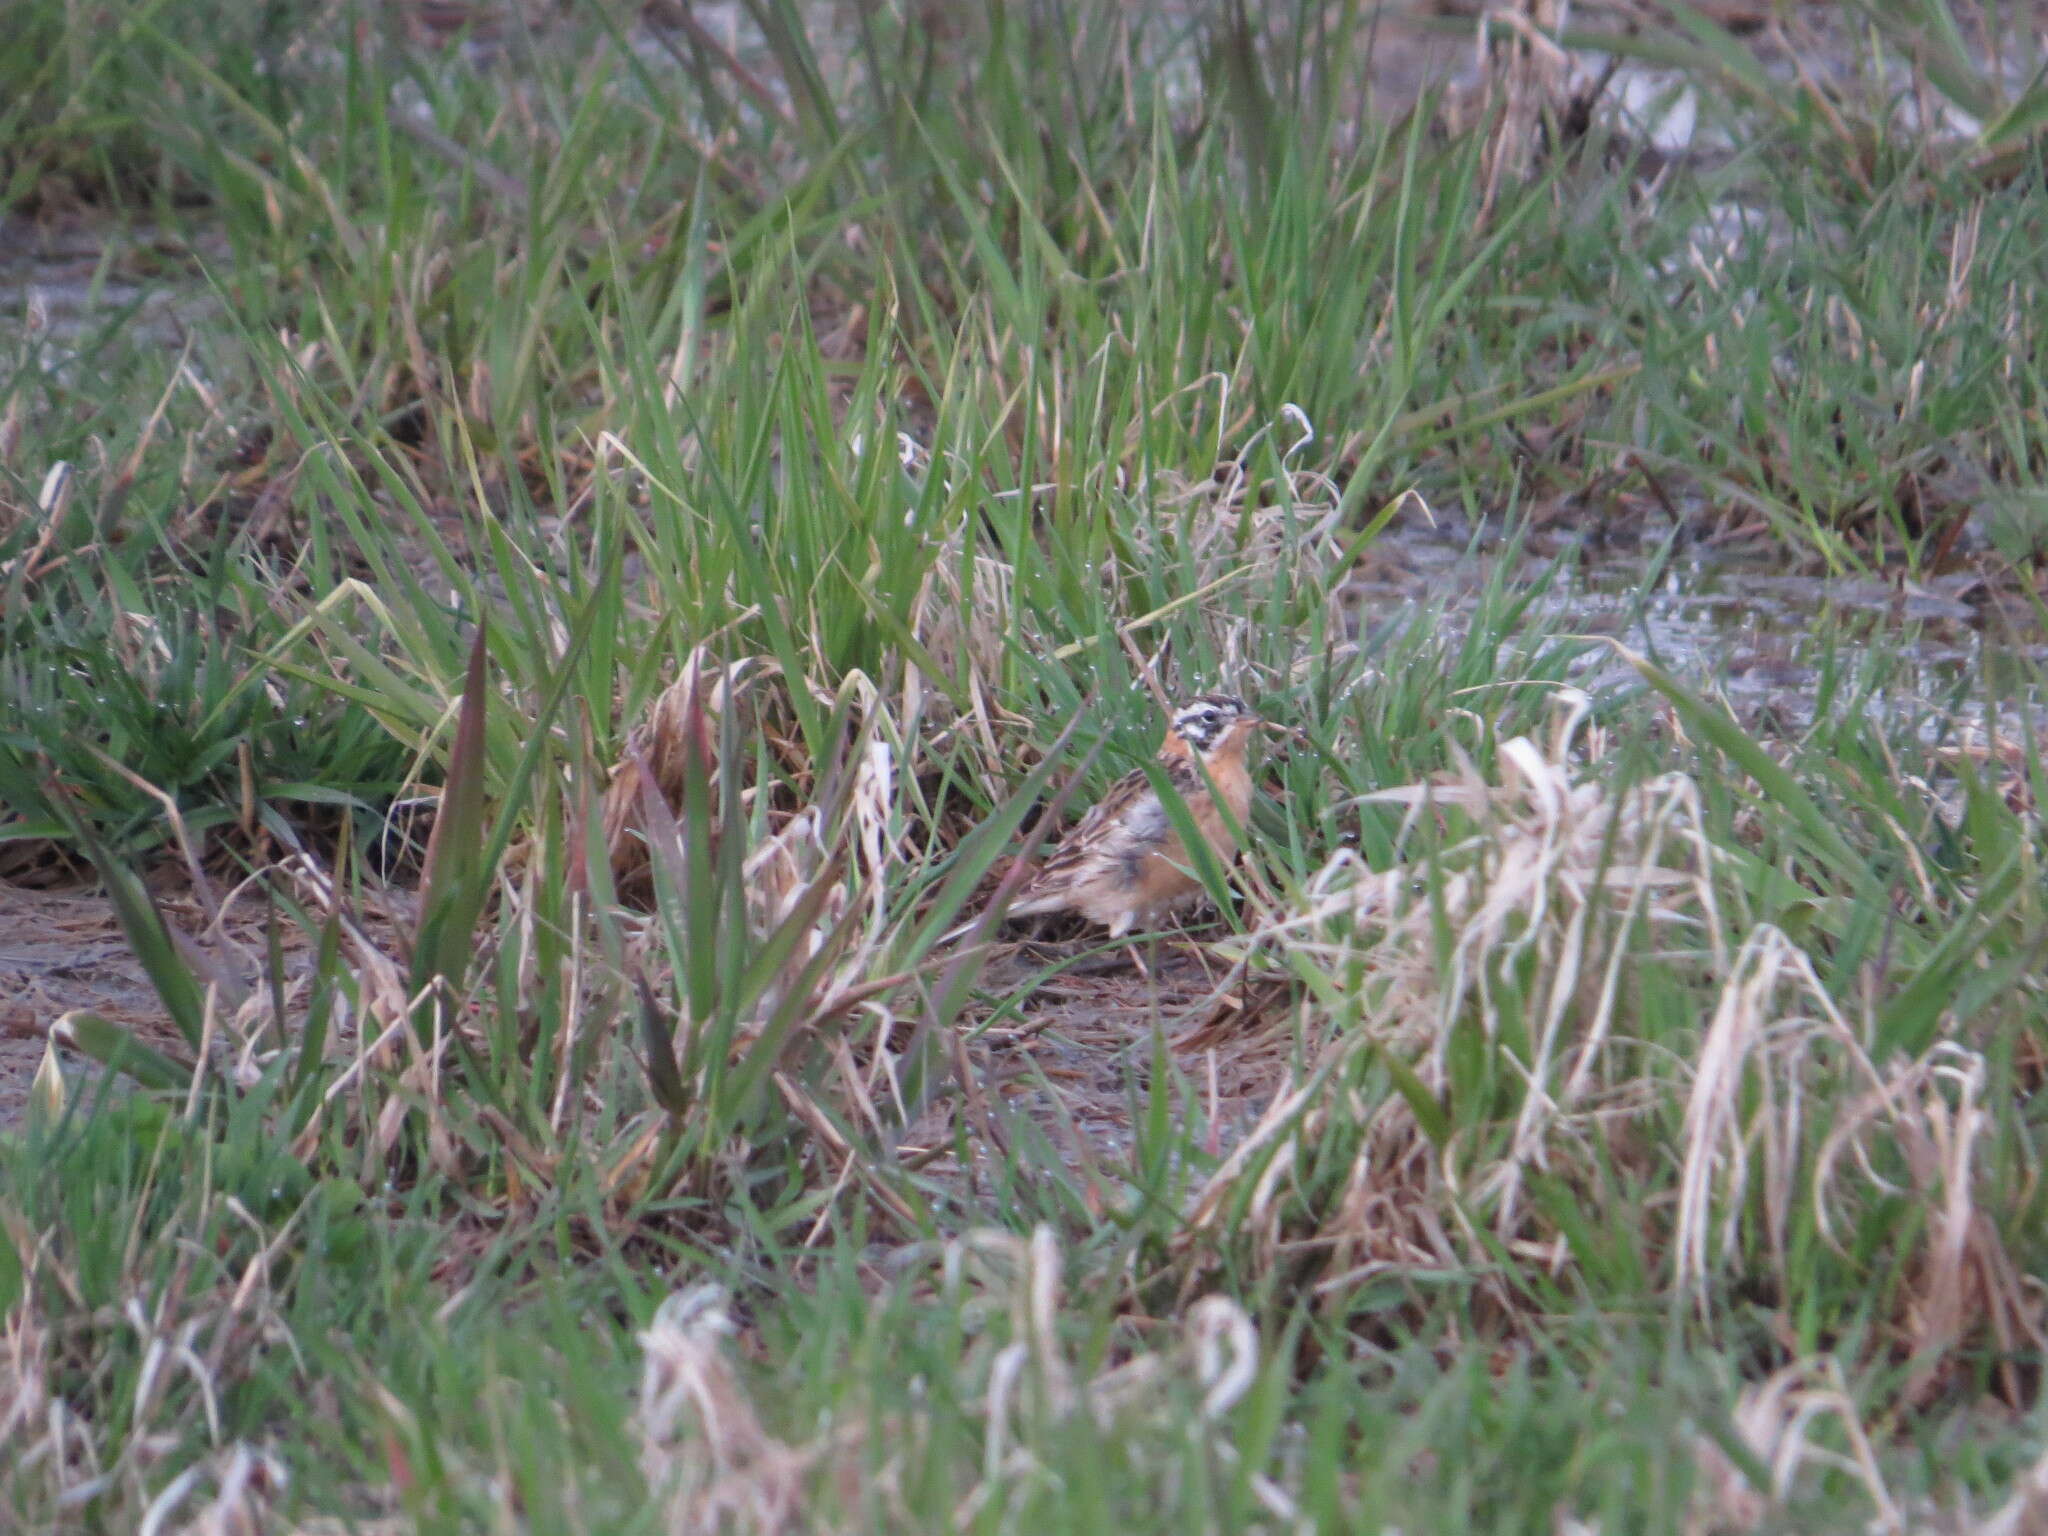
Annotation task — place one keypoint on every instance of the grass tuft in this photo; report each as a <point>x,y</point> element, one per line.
<point>559,566</point>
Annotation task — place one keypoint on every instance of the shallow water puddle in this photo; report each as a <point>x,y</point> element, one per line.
<point>1744,628</point>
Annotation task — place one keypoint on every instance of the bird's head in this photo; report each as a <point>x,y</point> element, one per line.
<point>1214,721</point>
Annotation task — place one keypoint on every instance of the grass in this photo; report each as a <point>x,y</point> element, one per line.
<point>747,493</point>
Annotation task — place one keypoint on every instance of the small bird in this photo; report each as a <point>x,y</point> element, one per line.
<point>1124,863</point>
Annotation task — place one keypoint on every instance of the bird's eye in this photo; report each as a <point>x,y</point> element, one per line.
<point>1211,715</point>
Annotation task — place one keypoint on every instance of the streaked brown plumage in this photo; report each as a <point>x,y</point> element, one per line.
<point>1125,864</point>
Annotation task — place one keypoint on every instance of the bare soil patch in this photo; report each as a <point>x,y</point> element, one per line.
<point>1075,1049</point>
<point>62,950</point>
<point>59,951</point>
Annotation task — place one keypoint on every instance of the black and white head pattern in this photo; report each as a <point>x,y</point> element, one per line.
<point>1203,720</point>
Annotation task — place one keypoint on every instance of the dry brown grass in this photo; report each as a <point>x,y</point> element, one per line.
<point>1557,880</point>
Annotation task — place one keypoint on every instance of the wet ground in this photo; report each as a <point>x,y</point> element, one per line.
<point>1729,618</point>
<point>1744,624</point>
<point>1738,625</point>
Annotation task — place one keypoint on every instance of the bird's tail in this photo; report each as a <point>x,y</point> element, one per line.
<point>1023,906</point>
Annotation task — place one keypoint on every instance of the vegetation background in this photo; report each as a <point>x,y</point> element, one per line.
<point>549,553</point>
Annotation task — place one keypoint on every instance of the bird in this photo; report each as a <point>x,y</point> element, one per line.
<point>1124,863</point>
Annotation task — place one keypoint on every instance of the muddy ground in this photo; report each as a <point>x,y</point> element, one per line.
<point>62,949</point>
<point>1088,1030</point>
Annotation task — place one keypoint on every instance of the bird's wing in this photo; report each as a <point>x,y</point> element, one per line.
<point>1089,838</point>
